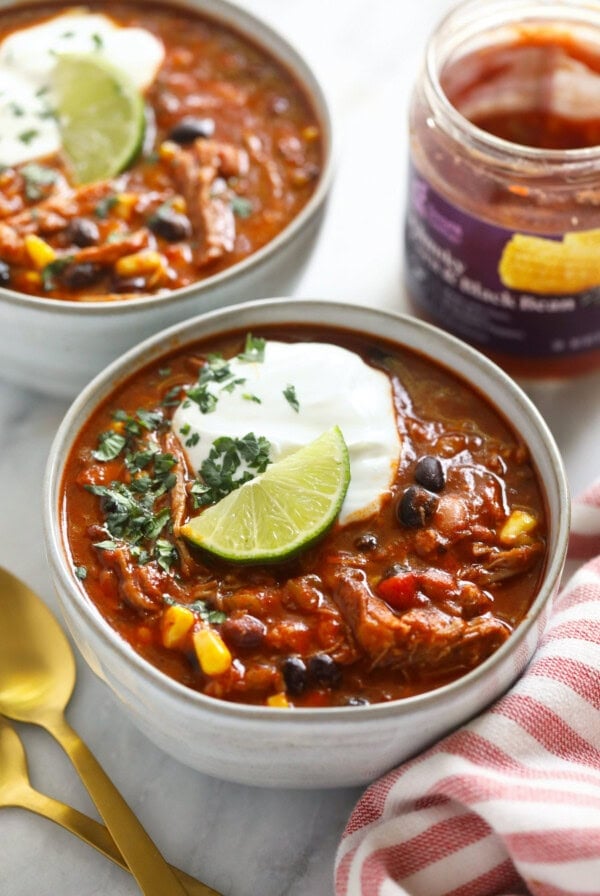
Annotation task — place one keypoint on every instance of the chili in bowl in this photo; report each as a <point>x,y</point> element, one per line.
<point>422,599</point>
<point>157,160</point>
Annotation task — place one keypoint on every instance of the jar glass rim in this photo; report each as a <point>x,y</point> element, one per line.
<point>468,20</point>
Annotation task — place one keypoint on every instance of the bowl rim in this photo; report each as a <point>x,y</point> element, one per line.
<point>220,320</point>
<point>254,28</point>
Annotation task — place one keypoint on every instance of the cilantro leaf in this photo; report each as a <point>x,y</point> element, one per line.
<point>289,393</point>
<point>230,463</point>
<point>254,350</point>
<point>110,445</point>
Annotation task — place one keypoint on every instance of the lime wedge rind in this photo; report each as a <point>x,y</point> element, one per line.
<point>282,511</point>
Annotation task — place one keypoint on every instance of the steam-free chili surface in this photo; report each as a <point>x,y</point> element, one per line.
<point>199,204</point>
<point>382,609</point>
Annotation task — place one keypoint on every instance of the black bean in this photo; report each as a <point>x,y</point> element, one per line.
<point>295,675</point>
<point>4,273</point>
<point>245,632</point>
<point>416,506</point>
<point>429,473</point>
<point>82,232</point>
<point>324,670</point>
<point>357,701</point>
<point>189,129</point>
<point>78,276</point>
<point>366,542</point>
<point>170,225</point>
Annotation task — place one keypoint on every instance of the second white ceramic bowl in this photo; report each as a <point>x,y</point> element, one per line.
<point>56,347</point>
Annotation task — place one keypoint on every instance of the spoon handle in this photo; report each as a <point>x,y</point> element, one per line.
<point>96,835</point>
<point>153,874</point>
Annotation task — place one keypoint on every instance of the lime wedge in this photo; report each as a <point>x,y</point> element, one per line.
<point>100,116</point>
<point>282,510</point>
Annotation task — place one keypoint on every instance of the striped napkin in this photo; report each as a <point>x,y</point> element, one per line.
<point>508,805</point>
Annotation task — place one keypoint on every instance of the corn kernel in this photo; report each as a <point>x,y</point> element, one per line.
<point>278,700</point>
<point>124,205</point>
<point>40,252</point>
<point>167,150</point>
<point>145,262</point>
<point>176,623</point>
<point>32,278</point>
<point>517,527</point>
<point>212,652</point>
<point>178,204</point>
<point>311,133</point>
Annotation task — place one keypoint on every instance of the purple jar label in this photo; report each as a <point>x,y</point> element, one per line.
<point>518,293</point>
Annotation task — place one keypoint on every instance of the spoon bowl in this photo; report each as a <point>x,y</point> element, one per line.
<point>37,668</point>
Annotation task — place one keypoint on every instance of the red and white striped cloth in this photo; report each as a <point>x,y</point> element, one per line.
<point>509,804</point>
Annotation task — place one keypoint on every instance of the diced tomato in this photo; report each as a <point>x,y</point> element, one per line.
<point>400,591</point>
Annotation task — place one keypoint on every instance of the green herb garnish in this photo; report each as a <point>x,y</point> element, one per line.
<point>289,393</point>
<point>254,350</point>
<point>54,269</point>
<point>29,136</point>
<point>110,445</point>
<point>241,207</point>
<point>104,206</point>
<point>230,463</point>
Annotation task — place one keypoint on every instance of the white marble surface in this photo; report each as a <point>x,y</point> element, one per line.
<point>241,840</point>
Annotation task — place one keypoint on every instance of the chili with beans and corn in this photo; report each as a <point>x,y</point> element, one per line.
<point>232,152</point>
<point>386,607</point>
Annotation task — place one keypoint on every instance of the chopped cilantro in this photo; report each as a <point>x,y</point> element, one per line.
<point>104,206</point>
<point>164,371</point>
<point>165,554</point>
<point>53,269</point>
<point>230,463</point>
<point>241,207</point>
<point>37,176</point>
<point>200,395</point>
<point>108,545</point>
<point>201,607</point>
<point>247,396</point>
<point>29,136</point>
<point>290,396</point>
<point>17,111</point>
<point>172,397</point>
<point>81,573</point>
<point>110,445</point>
<point>193,440</point>
<point>185,429</point>
<point>97,41</point>
<point>254,350</point>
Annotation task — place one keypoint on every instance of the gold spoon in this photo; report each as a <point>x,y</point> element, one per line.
<point>16,790</point>
<point>37,677</point>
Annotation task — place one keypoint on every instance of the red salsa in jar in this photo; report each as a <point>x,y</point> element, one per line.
<point>502,232</point>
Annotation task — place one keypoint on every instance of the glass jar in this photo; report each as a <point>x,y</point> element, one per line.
<point>502,237</point>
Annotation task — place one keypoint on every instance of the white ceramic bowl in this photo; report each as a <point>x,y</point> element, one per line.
<point>57,346</point>
<point>303,747</point>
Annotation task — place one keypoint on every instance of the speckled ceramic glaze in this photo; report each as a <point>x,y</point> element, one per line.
<point>303,747</point>
<point>56,346</point>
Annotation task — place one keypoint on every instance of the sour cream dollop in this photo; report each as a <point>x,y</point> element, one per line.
<point>28,128</point>
<point>332,386</point>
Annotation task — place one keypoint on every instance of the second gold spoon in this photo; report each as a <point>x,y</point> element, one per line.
<point>16,790</point>
<point>37,677</point>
